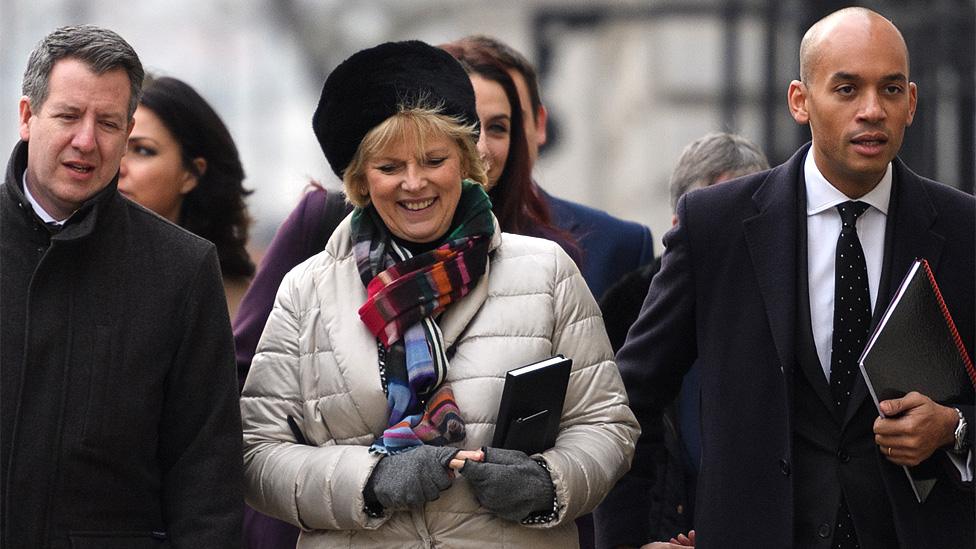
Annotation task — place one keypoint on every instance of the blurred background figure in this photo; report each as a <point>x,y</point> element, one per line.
<point>670,485</point>
<point>609,247</point>
<point>516,200</point>
<point>182,163</point>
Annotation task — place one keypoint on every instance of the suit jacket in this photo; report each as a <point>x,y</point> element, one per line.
<point>726,299</point>
<point>611,247</point>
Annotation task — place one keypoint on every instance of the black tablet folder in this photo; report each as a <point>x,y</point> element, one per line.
<point>916,347</point>
<point>531,405</point>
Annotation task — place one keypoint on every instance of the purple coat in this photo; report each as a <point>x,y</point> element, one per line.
<point>301,236</point>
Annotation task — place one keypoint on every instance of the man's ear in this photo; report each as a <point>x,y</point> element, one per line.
<point>541,117</point>
<point>25,115</point>
<point>797,100</point>
<point>912,102</point>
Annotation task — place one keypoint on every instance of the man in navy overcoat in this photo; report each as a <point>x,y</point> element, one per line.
<point>746,292</point>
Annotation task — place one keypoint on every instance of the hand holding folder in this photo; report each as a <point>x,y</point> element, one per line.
<point>916,347</point>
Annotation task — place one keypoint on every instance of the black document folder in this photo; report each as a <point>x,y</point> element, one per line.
<point>532,405</point>
<point>916,347</point>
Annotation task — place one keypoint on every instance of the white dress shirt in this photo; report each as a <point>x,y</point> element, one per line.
<point>38,209</point>
<point>823,229</point>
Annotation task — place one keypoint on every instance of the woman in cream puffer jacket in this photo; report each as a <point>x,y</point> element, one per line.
<point>317,364</point>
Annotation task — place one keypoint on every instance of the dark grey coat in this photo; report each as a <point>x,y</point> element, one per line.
<point>118,398</point>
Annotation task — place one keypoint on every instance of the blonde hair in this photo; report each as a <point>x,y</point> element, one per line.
<point>420,123</point>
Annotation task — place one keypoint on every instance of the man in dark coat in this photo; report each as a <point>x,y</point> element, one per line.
<point>746,293</point>
<point>119,421</point>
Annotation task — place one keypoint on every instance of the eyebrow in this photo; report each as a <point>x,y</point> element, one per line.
<point>893,77</point>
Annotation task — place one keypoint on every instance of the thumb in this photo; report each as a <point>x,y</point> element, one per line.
<point>890,407</point>
<point>896,406</point>
<point>901,405</point>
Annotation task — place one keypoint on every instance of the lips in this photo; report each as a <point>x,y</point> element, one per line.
<point>870,144</point>
<point>83,168</point>
<point>417,205</point>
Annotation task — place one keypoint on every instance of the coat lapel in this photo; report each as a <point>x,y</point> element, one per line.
<point>909,235</point>
<point>457,316</point>
<point>771,237</point>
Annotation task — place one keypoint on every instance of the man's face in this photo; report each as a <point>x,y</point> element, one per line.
<point>858,102</point>
<point>76,137</point>
<point>534,122</point>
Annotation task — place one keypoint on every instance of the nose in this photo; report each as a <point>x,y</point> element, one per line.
<point>414,178</point>
<point>872,110</point>
<point>123,168</point>
<point>84,137</point>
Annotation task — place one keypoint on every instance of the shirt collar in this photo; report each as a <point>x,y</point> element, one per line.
<point>822,196</point>
<point>36,206</point>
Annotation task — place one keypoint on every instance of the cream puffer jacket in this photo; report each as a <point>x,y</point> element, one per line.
<point>317,363</point>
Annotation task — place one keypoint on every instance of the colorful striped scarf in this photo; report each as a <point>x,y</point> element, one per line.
<point>404,295</point>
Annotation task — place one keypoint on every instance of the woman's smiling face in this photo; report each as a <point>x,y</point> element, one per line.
<point>416,190</point>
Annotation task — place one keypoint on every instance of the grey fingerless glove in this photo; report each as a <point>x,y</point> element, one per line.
<point>510,484</point>
<point>409,478</point>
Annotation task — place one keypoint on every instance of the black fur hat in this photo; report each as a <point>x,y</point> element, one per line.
<point>368,88</point>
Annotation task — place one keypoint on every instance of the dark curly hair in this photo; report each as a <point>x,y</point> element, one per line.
<point>215,208</point>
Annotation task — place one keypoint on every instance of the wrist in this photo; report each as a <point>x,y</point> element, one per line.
<point>959,441</point>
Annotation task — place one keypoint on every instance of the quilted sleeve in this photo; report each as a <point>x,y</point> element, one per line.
<point>313,487</point>
<point>598,431</point>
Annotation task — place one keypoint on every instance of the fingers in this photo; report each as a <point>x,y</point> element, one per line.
<point>901,454</point>
<point>502,456</point>
<point>461,457</point>
<point>920,428</point>
<point>896,406</point>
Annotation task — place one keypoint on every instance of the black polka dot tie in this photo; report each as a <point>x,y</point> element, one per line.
<point>852,317</point>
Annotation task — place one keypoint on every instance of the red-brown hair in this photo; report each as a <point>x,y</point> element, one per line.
<point>516,200</point>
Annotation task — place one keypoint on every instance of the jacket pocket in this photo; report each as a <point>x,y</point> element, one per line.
<point>119,540</point>
<point>101,360</point>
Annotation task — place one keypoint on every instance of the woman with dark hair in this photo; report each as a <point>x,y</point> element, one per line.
<point>183,164</point>
<point>503,146</point>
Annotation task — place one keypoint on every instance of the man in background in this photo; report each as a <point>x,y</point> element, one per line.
<point>658,503</point>
<point>119,420</point>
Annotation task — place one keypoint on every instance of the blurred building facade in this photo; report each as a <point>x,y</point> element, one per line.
<point>628,83</point>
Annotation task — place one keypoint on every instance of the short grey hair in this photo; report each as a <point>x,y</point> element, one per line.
<point>101,49</point>
<point>714,156</point>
